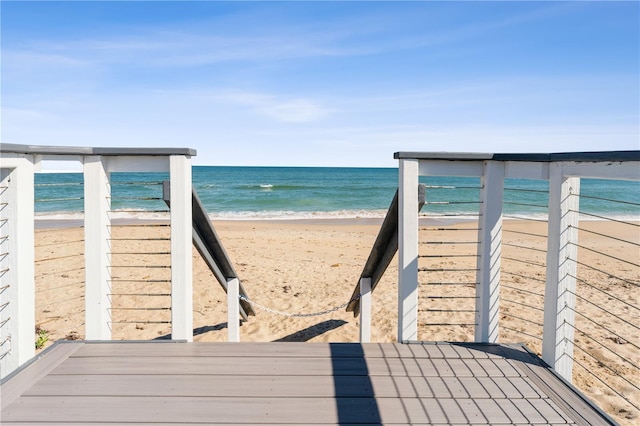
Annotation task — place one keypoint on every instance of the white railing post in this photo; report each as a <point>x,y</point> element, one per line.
<point>365,310</point>
<point>489,250</point>
<point>17,297</point>
<point>97,248</point>
<point>181,252</point>
<point>560,300</point>
<point>408,250</point>
<point>233,310</point>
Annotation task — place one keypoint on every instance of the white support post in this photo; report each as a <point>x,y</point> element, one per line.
<point>365,310</point>
<point>97,248</point>
<point>233,310</point>
<point>17,318</point>
<point>489,251</point>
<point>408,251</point>
<point>181,252</point>
<point>560,300</point>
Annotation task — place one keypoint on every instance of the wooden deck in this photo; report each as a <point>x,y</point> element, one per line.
<point>289,383</point>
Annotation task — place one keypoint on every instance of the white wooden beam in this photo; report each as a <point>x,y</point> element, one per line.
<point>450,168</point>
<point>560,288</point>
<point>408,251</point>
<point>181,251</point>
<point>604,170</point>
<point>233,310</point>
<point>365,310</point>
<point>150,164</point>
<point>489,252</point>
<point>97,249</point>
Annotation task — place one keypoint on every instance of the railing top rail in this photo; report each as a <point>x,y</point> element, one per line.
<point>594,156</point>
<point>76,150</point>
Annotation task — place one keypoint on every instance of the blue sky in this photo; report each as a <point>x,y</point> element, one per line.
<point>322,83</point>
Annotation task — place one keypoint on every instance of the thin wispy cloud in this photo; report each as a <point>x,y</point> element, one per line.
<point>370,77</point>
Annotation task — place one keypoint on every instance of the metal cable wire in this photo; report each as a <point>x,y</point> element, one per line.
<point>451,202</point>
<point>512,203</point>
<point>524,320</point>
<point>521,332</point>
<point>444,283</point>
<point>448,297</point>
<point>588,370</point>
<point>449,229</point>
<point>447,242</point>
<point>51,200</point>
<point>441,256</point>
<point>607,273</point>
<point>143,183</point>
<point>75,284</point>
<point>130,308</point>
<point>604,292</point>
<point>59,243</point>
<point>447,269</point>
<point>140,294</point>
<point>592,197</point>
<point>609,331</point>
<point>529,219</point>
<point>522,304</point>
<point>526,262</point>
<point>606,236</point>
<point>524,276</point>
<point>60,184</point>
<point>151,253</point>
<point>55,302</point>
<point>523,247</point>
<point>606,366</point>
<point>606,255</point>
<point>607,218</point>
<point>521,290</point>
<point>512,231</point>
<point>44,274</point>
<point>538,191</point>
<point>442,324</point>
<point>605,310</point>
<point>451,187</point>
<point>58,258</point>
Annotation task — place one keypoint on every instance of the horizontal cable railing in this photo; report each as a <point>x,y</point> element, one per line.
<point>140,241</point>
<point>607,313</point>
<point>448,263</point>
<point>5,279</point>
<point>59,259</point>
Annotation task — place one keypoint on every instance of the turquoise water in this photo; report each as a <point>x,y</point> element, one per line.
<point>304,192</point>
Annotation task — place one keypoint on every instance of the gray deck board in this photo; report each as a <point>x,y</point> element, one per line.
<point>289,383</point>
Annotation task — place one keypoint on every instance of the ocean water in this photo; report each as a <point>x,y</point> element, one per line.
<point>312,192</point>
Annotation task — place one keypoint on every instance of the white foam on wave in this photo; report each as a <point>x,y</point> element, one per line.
<point>296,215</point>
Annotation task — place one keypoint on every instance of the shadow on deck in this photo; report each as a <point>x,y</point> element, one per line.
<point>295,383</point>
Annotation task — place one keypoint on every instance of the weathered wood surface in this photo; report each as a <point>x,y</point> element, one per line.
<point>289,383</point>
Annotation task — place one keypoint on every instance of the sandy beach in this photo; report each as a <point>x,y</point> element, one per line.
<point>302,267</point>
